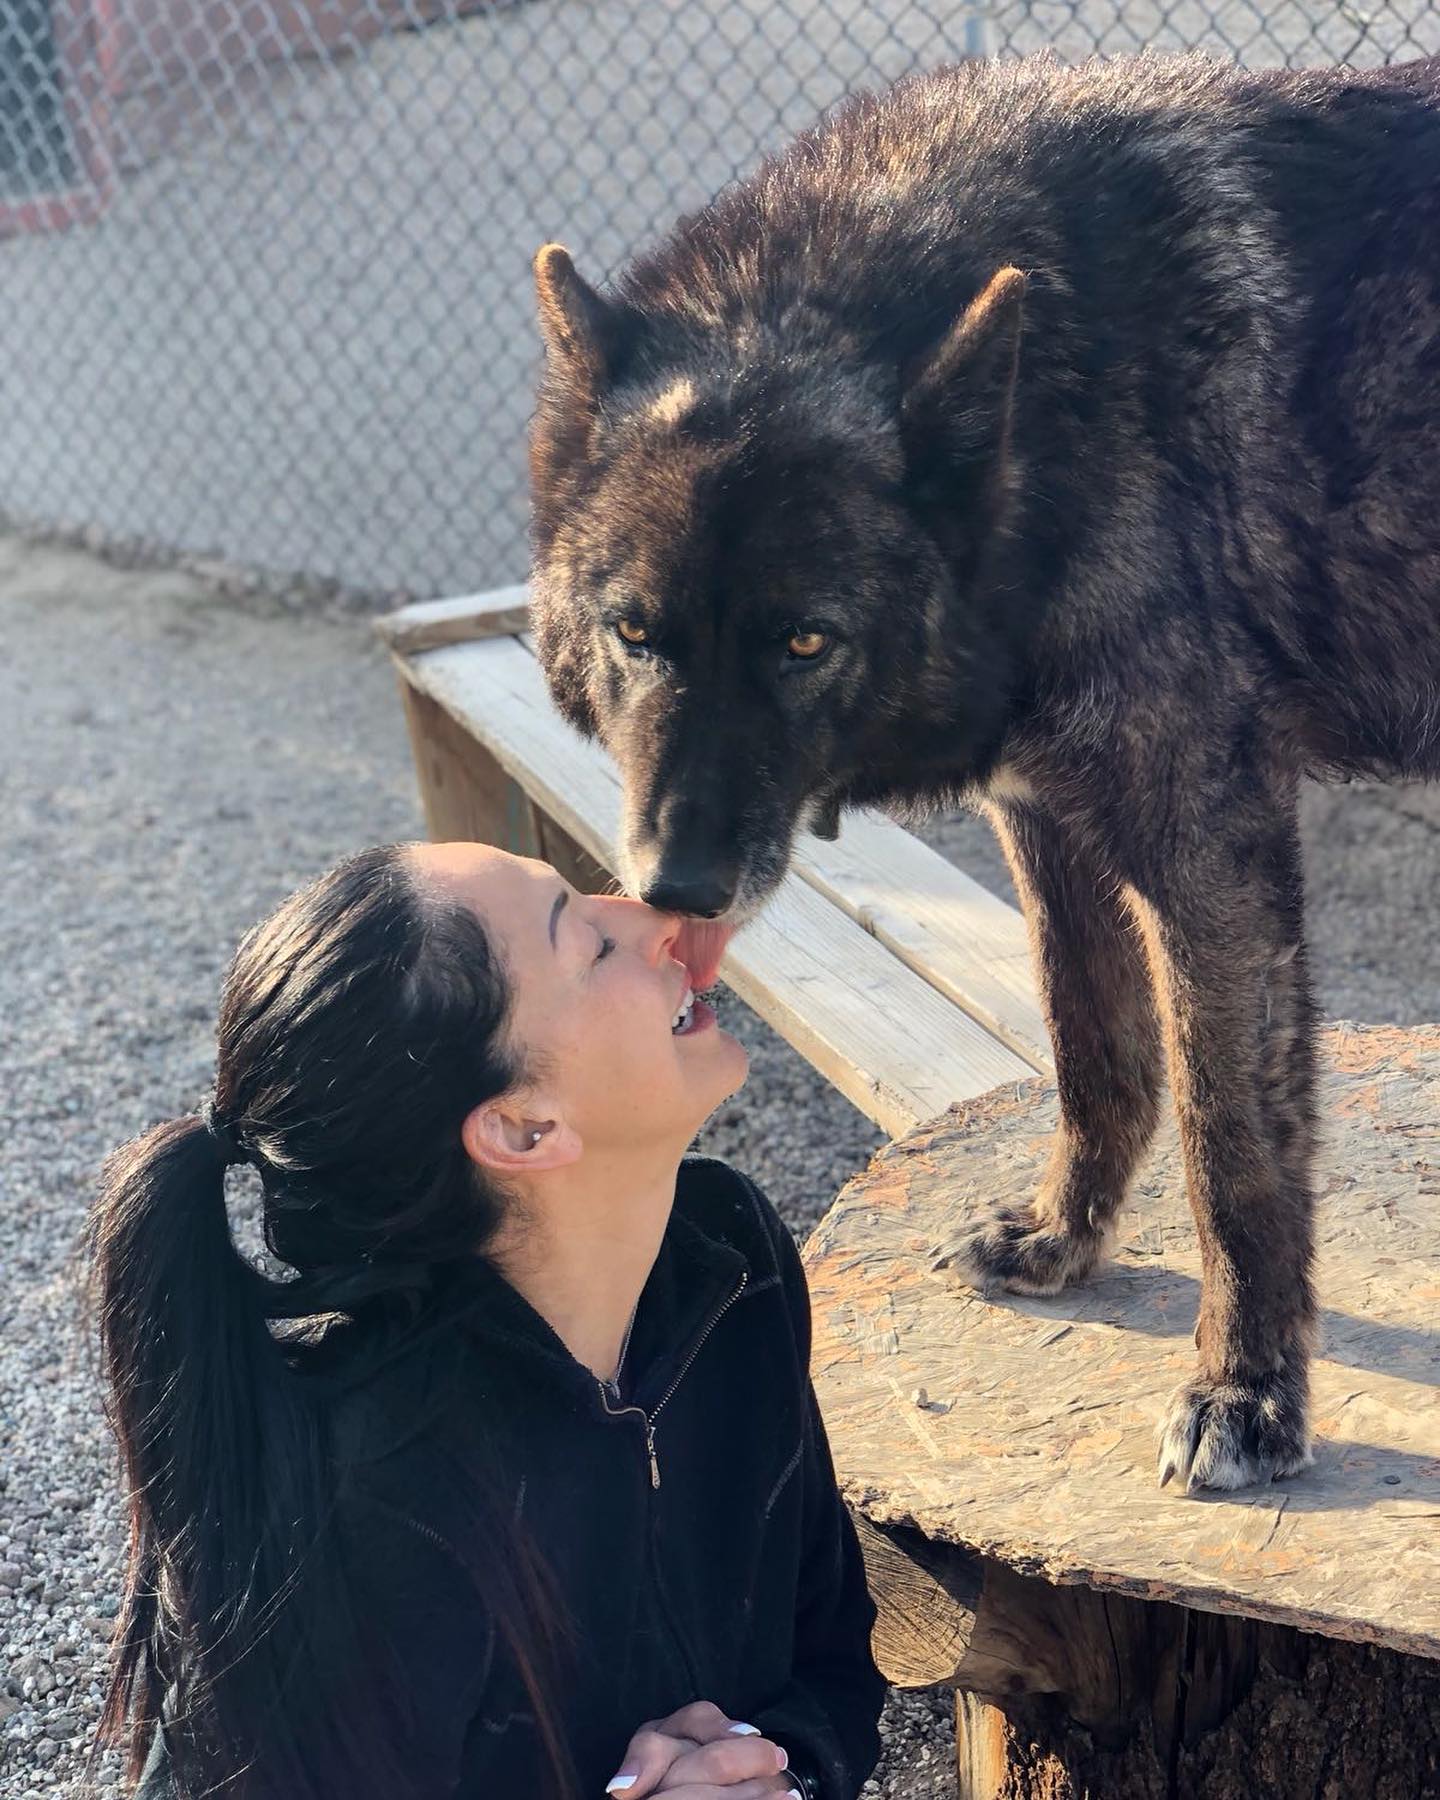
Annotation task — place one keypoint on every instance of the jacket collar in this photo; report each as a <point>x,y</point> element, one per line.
<point>694,1276</point>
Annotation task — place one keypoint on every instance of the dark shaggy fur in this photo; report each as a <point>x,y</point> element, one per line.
<point>1088,422</point>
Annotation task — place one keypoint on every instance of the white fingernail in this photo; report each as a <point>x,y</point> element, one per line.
<point>744,1730</point>
<point>793,1794</point>
<point>619,1784</point>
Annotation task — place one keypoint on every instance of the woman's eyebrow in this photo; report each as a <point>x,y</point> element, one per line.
<point>555,912</point>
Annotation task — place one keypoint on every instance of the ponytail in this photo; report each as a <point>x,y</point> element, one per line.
<point>203,1408</point>
<point>359,1026</point>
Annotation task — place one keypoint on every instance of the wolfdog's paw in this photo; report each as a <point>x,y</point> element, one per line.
<point>1014,1250</point>
<point>1232,1434</point>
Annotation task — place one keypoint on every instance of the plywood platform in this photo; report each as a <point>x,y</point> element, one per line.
<point>1023,1429</point>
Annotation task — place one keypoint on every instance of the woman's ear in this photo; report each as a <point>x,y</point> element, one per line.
<point>510,1138</point>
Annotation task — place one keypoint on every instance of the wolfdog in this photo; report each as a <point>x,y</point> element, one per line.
<point>1067,441</point>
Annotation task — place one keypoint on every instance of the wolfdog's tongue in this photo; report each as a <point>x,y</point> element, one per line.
<point>700,946</point>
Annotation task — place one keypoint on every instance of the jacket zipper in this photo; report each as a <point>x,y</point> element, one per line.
<point>687,1662</point>
<point>433,1535</point>
<point>664,1400</point>
<point>619,1412</point>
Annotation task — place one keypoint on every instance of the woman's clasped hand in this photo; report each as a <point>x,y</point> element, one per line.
<point>700,1754</point>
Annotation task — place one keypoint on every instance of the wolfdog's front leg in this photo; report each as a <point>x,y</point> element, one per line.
<point>1105,1034</point>
<point>1223,924</point>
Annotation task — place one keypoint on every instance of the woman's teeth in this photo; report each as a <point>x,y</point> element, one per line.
<point>687,1006</point>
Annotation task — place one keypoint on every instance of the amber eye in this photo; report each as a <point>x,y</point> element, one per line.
<point>632,633</point>
<point>807,644</point>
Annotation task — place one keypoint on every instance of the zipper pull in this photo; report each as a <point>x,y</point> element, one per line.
<point>654,1460</point>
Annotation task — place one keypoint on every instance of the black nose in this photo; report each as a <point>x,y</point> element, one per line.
<point>697,896</point>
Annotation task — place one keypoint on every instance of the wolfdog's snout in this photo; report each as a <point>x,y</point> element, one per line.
<point>682,857</point>
<point>699,888</point>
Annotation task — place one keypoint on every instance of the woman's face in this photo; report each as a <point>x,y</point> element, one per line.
<point>598,986</point>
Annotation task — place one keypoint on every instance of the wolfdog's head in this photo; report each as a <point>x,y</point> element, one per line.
<point>757,551</point>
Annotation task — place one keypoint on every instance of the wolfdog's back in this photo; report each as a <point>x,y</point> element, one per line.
<point>1234,292</point>
<point>1232,335</point>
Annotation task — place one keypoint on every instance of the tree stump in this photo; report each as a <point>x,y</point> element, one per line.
<point>1109,1640</point>
<point>1068,1693</point>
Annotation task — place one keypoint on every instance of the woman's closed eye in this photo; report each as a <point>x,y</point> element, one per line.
<point>607,944</point>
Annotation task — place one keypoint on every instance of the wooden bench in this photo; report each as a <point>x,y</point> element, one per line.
<point>1103,1638</point>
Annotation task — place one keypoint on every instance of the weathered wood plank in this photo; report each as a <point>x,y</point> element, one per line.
<point>964,940</point>
<point>879,1033</point>
<point>497,694</point>
<point>578,867</point>
<point>464,791</point>
<point>1033,1440</point>
<point>429,624</point>
<point>895,1046</point>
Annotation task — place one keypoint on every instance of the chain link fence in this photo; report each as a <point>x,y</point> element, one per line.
<point>264,264</point>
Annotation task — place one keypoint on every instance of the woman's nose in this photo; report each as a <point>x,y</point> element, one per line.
<point>654,933</point>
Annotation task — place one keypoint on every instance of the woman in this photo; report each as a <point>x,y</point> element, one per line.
<point>517,1485</point>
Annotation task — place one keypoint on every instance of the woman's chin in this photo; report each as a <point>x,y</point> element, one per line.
<point>718,1062</point>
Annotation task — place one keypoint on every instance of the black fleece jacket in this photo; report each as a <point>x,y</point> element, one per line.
<point>692,1524</point>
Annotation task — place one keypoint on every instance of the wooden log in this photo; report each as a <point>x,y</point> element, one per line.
<point>943,1616</point>
<point>1070,1693</point>
<point>1249,1712</point>
<point>927,1602</point>
<point>981,1755</point>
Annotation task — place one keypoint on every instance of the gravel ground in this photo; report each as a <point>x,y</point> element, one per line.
<point>171,764</point>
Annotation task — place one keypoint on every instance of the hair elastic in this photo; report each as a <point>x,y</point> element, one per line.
<point>221,1134</point>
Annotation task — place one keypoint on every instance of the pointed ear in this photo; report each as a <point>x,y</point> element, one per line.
<point>956,399</point>
<point>504,1138</point>
<point>584,334</point>
<point>581,329</point>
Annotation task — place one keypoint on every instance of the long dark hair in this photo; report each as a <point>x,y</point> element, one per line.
<point>359,1024</point>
